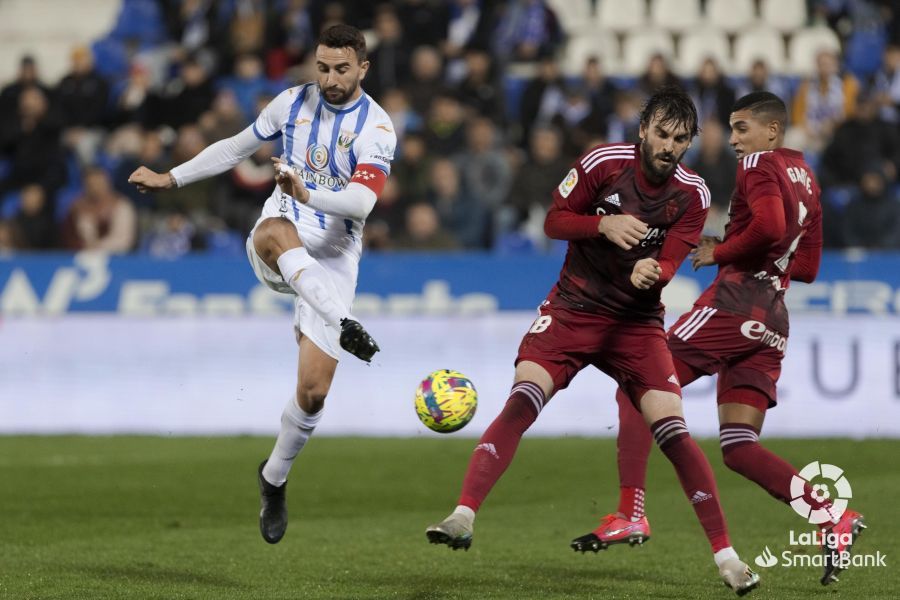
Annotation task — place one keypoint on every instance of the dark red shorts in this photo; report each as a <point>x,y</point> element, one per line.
<point>564,341</point>
<point>744,352</point>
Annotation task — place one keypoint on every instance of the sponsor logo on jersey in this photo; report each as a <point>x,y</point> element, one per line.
<point>614,199</point>
<point>301,121</point>
<point>345,140</point>
<point>671,210</point>
<point>569,183</point>
<point>321,179</point>
<point>385,128</point>
<point>317,156</point>
<point>755,330</point>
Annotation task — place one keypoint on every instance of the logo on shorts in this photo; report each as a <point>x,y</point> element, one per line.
<point>755,330</point>
<point>673,379</point>
<point>569,183</point>
<point>832,492</point>
<point>317,157</point>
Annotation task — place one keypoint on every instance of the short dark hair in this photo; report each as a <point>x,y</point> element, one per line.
<point>765,105</point>
<point>674,106</point>
<point>344,36</point>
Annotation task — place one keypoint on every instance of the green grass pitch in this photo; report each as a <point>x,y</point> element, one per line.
<point>148,517</point>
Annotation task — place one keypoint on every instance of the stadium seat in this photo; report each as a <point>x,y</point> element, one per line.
<point>730,15</point>
<point>575,16</point>
<point>621,16</point>
<point>640,46</point>
<point>784,15</point>
<point>10,204</point>
<point>806,44</point>
<point>676,16</point>
<point>602,44</point>
<point>759,43</point>
<point>698,45</point>
<point>514,243</point>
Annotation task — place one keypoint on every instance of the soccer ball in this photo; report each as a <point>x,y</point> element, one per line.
<point>446,401</point>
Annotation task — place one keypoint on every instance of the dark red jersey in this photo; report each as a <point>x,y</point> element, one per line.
<point>752,283</point>
<point>608,180</point>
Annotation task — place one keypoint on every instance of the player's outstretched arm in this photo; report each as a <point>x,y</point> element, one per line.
<point>149,180</point>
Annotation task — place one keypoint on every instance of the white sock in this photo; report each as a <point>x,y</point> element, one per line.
<point>296,427</point>
<point>312,283</point>
<point>466,513</point>
<point>724,554</point>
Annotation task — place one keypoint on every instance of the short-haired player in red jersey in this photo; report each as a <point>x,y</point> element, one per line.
<point>631,214</point>
<point>738,327</point>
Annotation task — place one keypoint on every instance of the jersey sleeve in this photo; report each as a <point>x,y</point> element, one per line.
<point>690,226</point>
<point>567,218</point>
<point>274,116</point>
<point>376,145</point>
<point>757,176</point>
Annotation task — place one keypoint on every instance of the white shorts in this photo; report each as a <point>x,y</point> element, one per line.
<point>340,267</point>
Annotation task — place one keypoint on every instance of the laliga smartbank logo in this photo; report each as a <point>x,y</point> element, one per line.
<point>830,490</point>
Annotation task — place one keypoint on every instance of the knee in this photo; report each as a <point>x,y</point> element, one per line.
<point>272,237</point>
<point>311,397</point>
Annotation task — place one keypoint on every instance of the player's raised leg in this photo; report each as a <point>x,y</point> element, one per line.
<point>741,417</point>
<point>492,455</point>
<point>278,244</point>
<point>663,413</point>
<point>315,372</point>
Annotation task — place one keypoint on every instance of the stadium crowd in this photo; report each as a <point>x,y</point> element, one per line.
<point>488,108</point>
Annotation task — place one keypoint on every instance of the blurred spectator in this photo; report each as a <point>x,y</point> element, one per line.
<point>147,150</point>
<point>572,117</point>
<point>224,118</point>
<point>716,163</point>
<point>173,236</point>
<point>821,103</point>
<point>527,31</point>
<point>469,26</point>
<point>479,88</point>
<point>389,61</point>
<point>9,238</point>
<point>887,84</point>
<point>424,231</point>
<point>872,218</point>
<point>245,189</point>
<point>535,180</point>
<point>187,96</point>
<point>247,26</point>
<point>625,123</point>
<point>396,105</point>
<point>292,38</point>
<point>32,145</point>
<point>101,218</point>
<point>411,169</point>
<point>134,99</point>
<point>464,215</point>
<point>388,218</point>
<point>83,97</point>
<point>34,222</point>
<point>601,93</point>
<point>445,126</point>
<point>712,94</point>
<point>860,144</point>
<point>657,75</point>
<point>424,21</point>
<point>193,200</point>
<point>427,79</point>
<point>542,98</point>
<point>485,171</point>
<point>247,83</point>
<point>760,79</point>
<point>25,78</point>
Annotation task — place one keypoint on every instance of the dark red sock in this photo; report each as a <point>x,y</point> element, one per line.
<point>496,448</point>
<point>695,475</point>
<point>633,447</point>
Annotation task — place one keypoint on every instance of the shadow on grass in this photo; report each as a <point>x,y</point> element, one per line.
<point>152,573</point>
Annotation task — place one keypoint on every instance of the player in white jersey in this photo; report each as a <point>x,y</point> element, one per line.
<point>338,146</point>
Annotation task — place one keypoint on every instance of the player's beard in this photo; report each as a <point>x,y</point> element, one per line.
<point>340,98</point>
<point>657,174</point>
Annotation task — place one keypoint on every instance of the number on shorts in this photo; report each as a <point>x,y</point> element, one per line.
<point>541,324</point>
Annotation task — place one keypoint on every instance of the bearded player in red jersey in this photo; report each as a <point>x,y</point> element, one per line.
<point>738,327</point>
<point>631,215</point>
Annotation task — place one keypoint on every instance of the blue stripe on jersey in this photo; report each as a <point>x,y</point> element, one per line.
<point>274,136</point>
<point>382,167</point>
<point>314,133</point>
<point>360,121</point>
<point>321,217</point>
<point>292,125</point>
<point>335,132</point>
<point>349,225</point>
<point>296,209</point>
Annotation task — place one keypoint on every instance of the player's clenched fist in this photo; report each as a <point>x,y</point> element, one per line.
<point>624,231</point>
<point>146,179</point>
<point>289,181</point>
<point>645,273</point>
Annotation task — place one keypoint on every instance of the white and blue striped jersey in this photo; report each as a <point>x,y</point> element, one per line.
<point>326,144</point>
